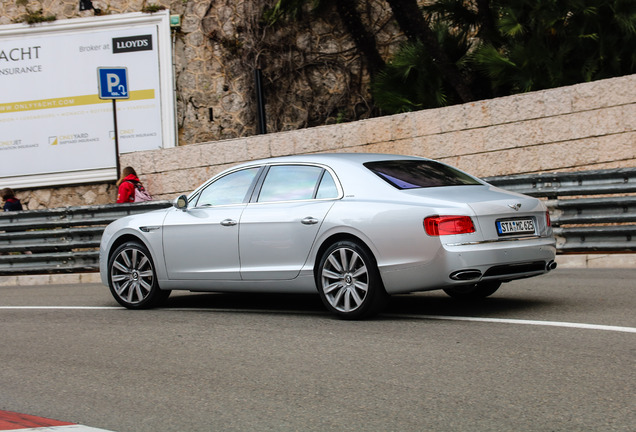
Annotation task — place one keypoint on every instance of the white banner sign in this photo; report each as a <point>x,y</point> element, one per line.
<point>54,129</point>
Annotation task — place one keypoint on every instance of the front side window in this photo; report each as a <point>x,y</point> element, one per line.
<point>229,189</point>
<point>412,174</point>
<point>290,183</point>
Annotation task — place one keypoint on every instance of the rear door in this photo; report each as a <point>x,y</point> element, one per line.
<point>279,226</point>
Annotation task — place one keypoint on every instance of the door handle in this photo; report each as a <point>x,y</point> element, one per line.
<point>228,222</point>
<point>309,221</point>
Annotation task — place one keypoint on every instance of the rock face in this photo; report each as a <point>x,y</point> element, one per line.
<point>311,75</point>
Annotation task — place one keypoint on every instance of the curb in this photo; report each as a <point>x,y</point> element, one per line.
<point>10,420</point>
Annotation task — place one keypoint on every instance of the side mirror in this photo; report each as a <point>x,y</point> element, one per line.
<point>181,203</point>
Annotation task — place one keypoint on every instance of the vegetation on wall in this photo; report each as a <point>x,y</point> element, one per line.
<point>458,51</point>
<point>35,17</point>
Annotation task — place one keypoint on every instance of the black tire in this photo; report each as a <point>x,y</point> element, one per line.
<point>473,292</point>
<point>132,278</point>
<point>349,282</point>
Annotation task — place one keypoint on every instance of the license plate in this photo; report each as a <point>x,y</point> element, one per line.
<point>515,226</point>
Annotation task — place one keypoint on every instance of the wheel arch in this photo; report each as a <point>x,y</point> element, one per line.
<point>336,237</point>
<point>123,239</point>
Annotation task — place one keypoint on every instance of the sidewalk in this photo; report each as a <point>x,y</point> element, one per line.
<point>582,261</point>
<point>50,279</point>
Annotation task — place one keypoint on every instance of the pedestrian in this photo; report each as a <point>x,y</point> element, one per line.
<point>11,203</point>
<point>129,187</point>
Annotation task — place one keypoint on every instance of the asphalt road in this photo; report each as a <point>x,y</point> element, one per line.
<point>218,362</point>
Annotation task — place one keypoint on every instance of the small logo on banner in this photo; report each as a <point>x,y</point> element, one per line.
<point>53,140</point>
<point>132,43</point>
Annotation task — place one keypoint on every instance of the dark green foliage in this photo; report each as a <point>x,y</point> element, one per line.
<point>412,80</point>
<point>528,45</point>
<point>545,44</point>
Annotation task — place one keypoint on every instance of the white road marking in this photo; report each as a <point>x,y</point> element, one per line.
<point>583,326</point>
<point>530,322</point>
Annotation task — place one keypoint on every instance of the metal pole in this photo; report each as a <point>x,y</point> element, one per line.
<point>116,139</point>
<point>260,101</point>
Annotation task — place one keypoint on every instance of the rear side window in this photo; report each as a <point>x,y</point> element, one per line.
<point>327,187</point>
<point>297,182</point>
<point>290,183</point>
<point>412,174</point>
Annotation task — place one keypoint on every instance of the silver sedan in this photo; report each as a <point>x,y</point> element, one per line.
<point>355,228</point>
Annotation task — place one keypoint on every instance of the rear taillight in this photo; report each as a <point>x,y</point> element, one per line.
<point>448,225</point>
<point>547,219</point>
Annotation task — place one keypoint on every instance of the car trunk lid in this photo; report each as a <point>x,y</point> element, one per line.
<point>497,214</point>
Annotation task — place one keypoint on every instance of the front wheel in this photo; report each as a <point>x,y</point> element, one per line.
<point>349,282</point>
<point>473,292</point>
<point>132,278</point>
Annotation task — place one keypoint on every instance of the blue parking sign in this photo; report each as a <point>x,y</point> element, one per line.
<point>112,82</point>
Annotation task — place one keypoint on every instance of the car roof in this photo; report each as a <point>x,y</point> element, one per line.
<point>347,167</point>
<point>332,159</point>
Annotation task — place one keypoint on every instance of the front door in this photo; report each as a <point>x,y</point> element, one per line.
<point>202,243</point>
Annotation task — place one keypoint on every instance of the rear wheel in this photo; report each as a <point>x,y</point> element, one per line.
<point>473,292</point>
<point>349,282</point>
<point>132,278</point>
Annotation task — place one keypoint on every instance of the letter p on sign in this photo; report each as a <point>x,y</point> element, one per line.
<point>112,82</point>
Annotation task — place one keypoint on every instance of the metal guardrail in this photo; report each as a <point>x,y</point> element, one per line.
<point>60,240</point>
<point>591,211</point>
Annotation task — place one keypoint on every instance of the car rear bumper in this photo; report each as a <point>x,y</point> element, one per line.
<point>468,263</point>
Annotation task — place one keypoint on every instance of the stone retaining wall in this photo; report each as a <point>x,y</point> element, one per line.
<point>580,127</point>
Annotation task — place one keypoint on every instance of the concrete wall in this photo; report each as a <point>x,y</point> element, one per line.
<point>580,127</point>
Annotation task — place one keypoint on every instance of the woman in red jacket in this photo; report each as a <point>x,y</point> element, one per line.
<point>126,185</point>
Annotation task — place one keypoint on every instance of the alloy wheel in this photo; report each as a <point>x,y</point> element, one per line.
<point>132,275</point>
<point>345,279</point>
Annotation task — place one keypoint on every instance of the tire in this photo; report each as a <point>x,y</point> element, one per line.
<point>132,278</point>
<point>473,292</point>
<point>349,282</point>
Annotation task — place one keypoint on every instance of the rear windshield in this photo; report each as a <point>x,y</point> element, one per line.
<point>412,174</point>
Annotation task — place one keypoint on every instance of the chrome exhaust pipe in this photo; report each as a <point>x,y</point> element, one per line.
<point>551,265</point>
<point>465,275</point>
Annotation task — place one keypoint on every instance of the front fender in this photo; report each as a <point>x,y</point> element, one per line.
<point>145,228</point>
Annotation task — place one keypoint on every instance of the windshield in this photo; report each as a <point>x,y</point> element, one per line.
<point>412,174</point>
